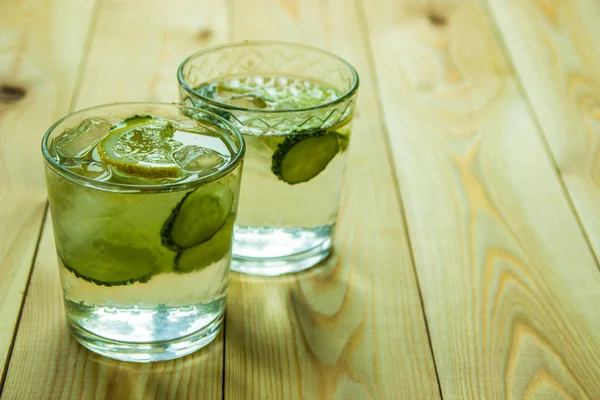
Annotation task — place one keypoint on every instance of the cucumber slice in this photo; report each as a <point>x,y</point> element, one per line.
<point>136,119</point>
<point>198,216</point>
<point>139,146</point>
<point>207,253</point>
<point>109,264</point>
<point>301,157</point>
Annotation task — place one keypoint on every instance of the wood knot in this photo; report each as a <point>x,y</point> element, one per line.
<point>204,34</point>
<point>11,94</point>
<point>437,19</point>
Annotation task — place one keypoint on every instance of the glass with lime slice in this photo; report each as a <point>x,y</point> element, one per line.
<point>294,105</point>
<point>143,198</point>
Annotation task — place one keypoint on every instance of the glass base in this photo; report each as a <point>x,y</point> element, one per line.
<point>278,251</point>
<point>146,352</point>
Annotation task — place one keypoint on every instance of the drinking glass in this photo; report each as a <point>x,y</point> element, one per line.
<point>143,198</point>
<point>294,105</point>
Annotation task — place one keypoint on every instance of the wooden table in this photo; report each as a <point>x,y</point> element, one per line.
<point>466,261</point>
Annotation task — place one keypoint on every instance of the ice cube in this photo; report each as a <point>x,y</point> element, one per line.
<point>92,170</point>
<point>79,141</point>
<point>197,158</point>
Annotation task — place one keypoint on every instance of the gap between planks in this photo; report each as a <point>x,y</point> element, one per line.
<point>396,182</point>
<point>22,305</point>
<point>74,95</point>
<point>508,55</point>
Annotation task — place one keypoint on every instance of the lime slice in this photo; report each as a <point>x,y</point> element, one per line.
<point>198,216</point>
<point>301,157</point>
<point>207,253</point>
<point>140,146</point>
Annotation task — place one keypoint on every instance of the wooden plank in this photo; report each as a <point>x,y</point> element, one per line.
<point>510,287</point>
<point>134,55</point>
<point>137,48</point>
<point>555,47</point>
<point>354,327</point>
<point>37,78</point>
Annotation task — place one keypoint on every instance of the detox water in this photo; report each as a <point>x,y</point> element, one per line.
<point>293,170</point>
<point>143,210</point>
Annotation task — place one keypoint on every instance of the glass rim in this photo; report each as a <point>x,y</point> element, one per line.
<point>343,97</point>
<point>122,187</point>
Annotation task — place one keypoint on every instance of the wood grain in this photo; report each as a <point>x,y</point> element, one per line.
<point>510,287</point>
<point>136,48</point>
<point>37,78</point>
<point>555,48</point>
<point>134,54</point>
<point>352,328</point>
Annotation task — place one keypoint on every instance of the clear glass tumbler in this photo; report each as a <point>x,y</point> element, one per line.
<point>294,105</point>
<point>143,198</point>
